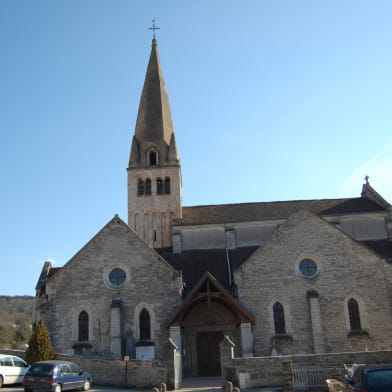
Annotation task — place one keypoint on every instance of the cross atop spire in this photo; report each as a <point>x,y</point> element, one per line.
<point>153,28</point>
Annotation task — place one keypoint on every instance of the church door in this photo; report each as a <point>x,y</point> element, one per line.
<point>208,353</point>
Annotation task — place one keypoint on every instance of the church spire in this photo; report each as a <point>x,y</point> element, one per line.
<point>154,125</point>
<point>154,172</point>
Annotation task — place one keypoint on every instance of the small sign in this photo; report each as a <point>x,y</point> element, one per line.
<point>126,358</point>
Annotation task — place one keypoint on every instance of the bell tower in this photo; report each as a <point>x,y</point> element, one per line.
<point>154,171</point>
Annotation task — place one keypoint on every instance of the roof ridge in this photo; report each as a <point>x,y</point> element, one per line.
<point>271,202</point>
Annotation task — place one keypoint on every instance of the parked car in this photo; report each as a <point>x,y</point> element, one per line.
<point>12,369</point>
<point>371,378</point>
<point>56,376</point>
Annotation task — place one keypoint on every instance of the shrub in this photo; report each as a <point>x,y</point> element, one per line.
<point>40,347</point>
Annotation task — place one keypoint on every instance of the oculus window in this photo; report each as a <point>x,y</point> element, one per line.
<point>308,268</point>
<point>117,277</point>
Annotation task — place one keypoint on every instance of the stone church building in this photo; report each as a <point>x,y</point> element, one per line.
<point>285,277</point>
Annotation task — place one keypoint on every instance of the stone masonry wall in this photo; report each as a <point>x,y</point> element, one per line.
<point>114,372</point>
<point>259,372</point>
<point>346,270</point>
<point>82,285</point>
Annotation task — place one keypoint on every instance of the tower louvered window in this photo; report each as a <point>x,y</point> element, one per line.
<point>353,313</point>
<point>167,185</point>
<point>140,188</point>
<point>144,325</point>
<point>147,187</point>
<point>83,326</point>
<point>279,321</point>
<point>159,186</point>
<point>153,158</point>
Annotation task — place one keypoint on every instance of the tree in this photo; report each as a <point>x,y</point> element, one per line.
<point>6,336</point>
<point>40,347</point>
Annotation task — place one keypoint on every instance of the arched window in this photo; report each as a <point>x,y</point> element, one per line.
<point>167,185</point>
<point>159,186</point>
<point>144,325</point>
<point>152,158</point>
<point>279,322</point>
<point>147,187</point>
<point>353,314</point>
<point>83,326</point>
<point>140,187</point>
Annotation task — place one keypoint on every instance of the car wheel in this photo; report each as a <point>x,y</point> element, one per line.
<point>1,381</point>
<point>86,385</point>
<point>57,388</point>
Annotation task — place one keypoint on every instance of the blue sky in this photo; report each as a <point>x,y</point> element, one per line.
<point>271,100</point>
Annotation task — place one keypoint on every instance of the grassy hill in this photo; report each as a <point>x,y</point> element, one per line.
<point>16,318</point>
<point>17,304</point>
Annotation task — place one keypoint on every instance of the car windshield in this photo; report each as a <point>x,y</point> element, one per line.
<point>41,369</point>
<point>379,378</point>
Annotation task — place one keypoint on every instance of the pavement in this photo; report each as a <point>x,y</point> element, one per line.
<point>202,384</point>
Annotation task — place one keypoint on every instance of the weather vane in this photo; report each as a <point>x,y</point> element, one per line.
<point>154,27</point>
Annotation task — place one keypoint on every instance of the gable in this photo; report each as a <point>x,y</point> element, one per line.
<point>307,236</point>
<point>115,247</point>
<point>206,293</point>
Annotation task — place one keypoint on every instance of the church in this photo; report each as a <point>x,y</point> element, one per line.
<point>277,278</point>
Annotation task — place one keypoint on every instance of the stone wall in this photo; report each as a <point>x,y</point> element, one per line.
<point>268,371</point>
<point>114,372</point>
<point>83,285</point>
<point>315,307</point>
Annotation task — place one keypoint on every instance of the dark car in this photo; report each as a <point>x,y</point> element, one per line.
<point>372,378</point>
<point>56,376</point>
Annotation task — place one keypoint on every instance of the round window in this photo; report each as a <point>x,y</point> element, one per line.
<point>308,268</point>
<point>117,277</point>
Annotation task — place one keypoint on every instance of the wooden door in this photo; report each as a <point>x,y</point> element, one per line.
<point>208,353</point>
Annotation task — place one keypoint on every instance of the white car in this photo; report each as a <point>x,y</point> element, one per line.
<point>12,369</point>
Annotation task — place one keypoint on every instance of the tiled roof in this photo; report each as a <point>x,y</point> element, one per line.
<point>245,212</point>
<point>195,263</point>
<point>383,248</point>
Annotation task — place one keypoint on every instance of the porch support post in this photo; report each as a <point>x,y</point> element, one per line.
<point>226,347</point>
<point>175,339</point>
<point>175,335</point>
<point>246,339</point>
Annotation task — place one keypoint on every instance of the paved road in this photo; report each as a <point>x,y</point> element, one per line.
<point>197,384</point>
<point>188,387</point>
<point>205,384</point>
<point>18,388</point>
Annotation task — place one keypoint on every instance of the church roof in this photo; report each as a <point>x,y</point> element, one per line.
<point>208,290</point>
<point>245,212</point>
<point>382,247</point>
<point>195,263</point>
<point>370,193</point>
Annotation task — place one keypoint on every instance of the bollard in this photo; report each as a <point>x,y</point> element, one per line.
<point>162,387</point>
<point>228,386</point>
